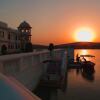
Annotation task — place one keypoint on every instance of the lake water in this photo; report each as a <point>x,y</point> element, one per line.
<point>79,87</point>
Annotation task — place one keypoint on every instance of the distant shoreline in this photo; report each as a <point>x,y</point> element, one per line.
<point>75,45</point>
<point>80,45</point>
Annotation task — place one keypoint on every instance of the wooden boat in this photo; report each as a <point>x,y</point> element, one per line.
<point>88,70</point>
<point>83,63</point>
<point>88,66</point>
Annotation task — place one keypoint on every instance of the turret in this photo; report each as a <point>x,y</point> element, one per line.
<point>25,33</point>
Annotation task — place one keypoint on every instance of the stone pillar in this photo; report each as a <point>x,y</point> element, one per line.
<point>70,55</point>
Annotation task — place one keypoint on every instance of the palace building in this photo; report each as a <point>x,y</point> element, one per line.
<point>14,40</point>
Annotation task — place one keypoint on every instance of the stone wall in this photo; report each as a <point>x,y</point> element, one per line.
<point>25,67</point>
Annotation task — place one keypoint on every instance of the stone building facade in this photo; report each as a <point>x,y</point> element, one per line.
<point>14,40</point>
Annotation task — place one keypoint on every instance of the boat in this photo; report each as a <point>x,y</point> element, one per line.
<point>82,63</point>
<point>87,56</point>
<point>87,66</point>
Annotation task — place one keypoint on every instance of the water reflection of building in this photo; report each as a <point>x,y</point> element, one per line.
<point>14,40</point>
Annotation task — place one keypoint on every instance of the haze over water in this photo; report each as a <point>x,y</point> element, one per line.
<point>83,88</point>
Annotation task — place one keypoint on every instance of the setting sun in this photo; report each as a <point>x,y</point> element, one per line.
<point>84,34</point>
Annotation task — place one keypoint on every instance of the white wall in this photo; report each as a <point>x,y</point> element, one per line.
<point>26,67</point>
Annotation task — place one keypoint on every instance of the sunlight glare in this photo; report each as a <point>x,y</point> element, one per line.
<point>84,35</point>
<point>84,52</point>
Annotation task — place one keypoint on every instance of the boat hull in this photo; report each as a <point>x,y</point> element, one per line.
<point>88,67</point>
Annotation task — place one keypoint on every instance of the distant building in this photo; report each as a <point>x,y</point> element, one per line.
<point>14,40</point>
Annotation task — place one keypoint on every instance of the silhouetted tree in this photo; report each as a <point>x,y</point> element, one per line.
<point>51,47</point>
<point>28,47</point>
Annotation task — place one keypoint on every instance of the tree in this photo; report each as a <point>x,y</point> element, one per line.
<point>51,47</point>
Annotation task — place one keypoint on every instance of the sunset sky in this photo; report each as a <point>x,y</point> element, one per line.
<point>53,21</point>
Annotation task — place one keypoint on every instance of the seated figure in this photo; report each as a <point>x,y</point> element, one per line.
<point>84,59</point>
<point>77,58</point>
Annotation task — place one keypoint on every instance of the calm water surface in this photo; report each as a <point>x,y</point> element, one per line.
<point>79,87</point>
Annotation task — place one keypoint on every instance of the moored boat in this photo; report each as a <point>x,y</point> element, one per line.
<point>88,66</point>
<point>82,63</point>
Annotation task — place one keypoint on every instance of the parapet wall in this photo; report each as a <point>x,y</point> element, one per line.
<point>25,67</point>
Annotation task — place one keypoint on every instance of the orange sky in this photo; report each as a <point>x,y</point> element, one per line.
<point>53,20</point>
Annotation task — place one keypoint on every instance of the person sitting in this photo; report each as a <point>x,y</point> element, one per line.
<point>84,59</point>
<point>77,58</point>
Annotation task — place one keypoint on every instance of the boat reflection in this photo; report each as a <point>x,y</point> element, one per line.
<point>88,75</point>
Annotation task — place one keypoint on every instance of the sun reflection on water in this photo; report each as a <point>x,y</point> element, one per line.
<point>83,52</point>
